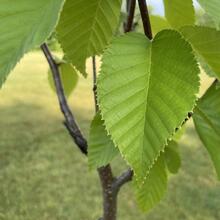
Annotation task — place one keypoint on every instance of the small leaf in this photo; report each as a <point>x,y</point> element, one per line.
<point>206,42</point>
<point>24,25</point>
<point>212,8</point>
<point>86,27</point>
<point>207,123</point>
<point>150,193</point>
<point>172,157</point>
<point>101,147</point>
<point>69,78</point>
<point>145,91</point>
<point>179,12</point>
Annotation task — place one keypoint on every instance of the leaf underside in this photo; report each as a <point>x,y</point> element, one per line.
<point>207,123</point>
<point>206,42</point>
<point>101,147</point>
<point>23,27</point>
<point>86,27</point>
<point>145,91</point>
<point>179,13</point>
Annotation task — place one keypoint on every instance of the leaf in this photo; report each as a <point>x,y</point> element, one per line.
<point>172,157</point>
<point>69,78</point>
<point>203,19</point>
<point>154,188</point>
<point>206,42</point>
<point>179,12</point>
<point>178,135</point>
<point>101,147</point>
<point>86,27</point>
<point>212,8</point>
<point>207,123</point>
<point>145,91</point>
<point>24,25</point>
<point>206,68</point>
<point>158,23</point>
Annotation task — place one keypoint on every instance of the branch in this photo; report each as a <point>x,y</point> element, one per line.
<point>94,82</point>
<point>70,122</point>
<point>131,9</point>
<point>145,18</point>
<point>122,179</point>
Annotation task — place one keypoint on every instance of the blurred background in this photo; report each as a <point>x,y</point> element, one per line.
<point>43,176</point>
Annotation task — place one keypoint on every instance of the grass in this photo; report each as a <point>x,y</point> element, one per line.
<point>44,177</point>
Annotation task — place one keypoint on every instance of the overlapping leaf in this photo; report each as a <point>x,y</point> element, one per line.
<point>153,189</point>
<point>179,12</point>
<point>212,7</point>
<point>101,147</point>
<point>207,122</point>
<point>86,27</point>
<point>145,91</point>
<point>206,42</point>
<point>172,157</point>
<point>69,78</point>
<point>24,25</point>
<point>158,24</point>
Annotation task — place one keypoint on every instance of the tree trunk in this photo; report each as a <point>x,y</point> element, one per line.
<point>109,195</point>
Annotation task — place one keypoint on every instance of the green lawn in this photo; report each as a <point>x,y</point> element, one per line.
<point>43,176</point>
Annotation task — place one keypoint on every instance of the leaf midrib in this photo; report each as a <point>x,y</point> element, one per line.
<point>146,102</point>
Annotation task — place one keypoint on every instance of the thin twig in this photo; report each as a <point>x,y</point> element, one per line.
<point>145,18</point>
<point>94,82</point>
<point>122,179</point>
<point>70,122</point>
<point>131,4</point>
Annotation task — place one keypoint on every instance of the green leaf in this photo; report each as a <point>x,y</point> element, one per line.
<point>145,91</point>
<point>212,8</point>
<point>69,78</point>
<point>206,68</point>
<point>24,25</point>
<point>150,193</point>
<point>101,147</point>
<point>179,12</point>
<point>86,27</point>
<point>203,19</point>
<point>158,24</point>
<point>207,123</point>
<point>206,42</point>
<point>172,157</point>
<point>178,135</point>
